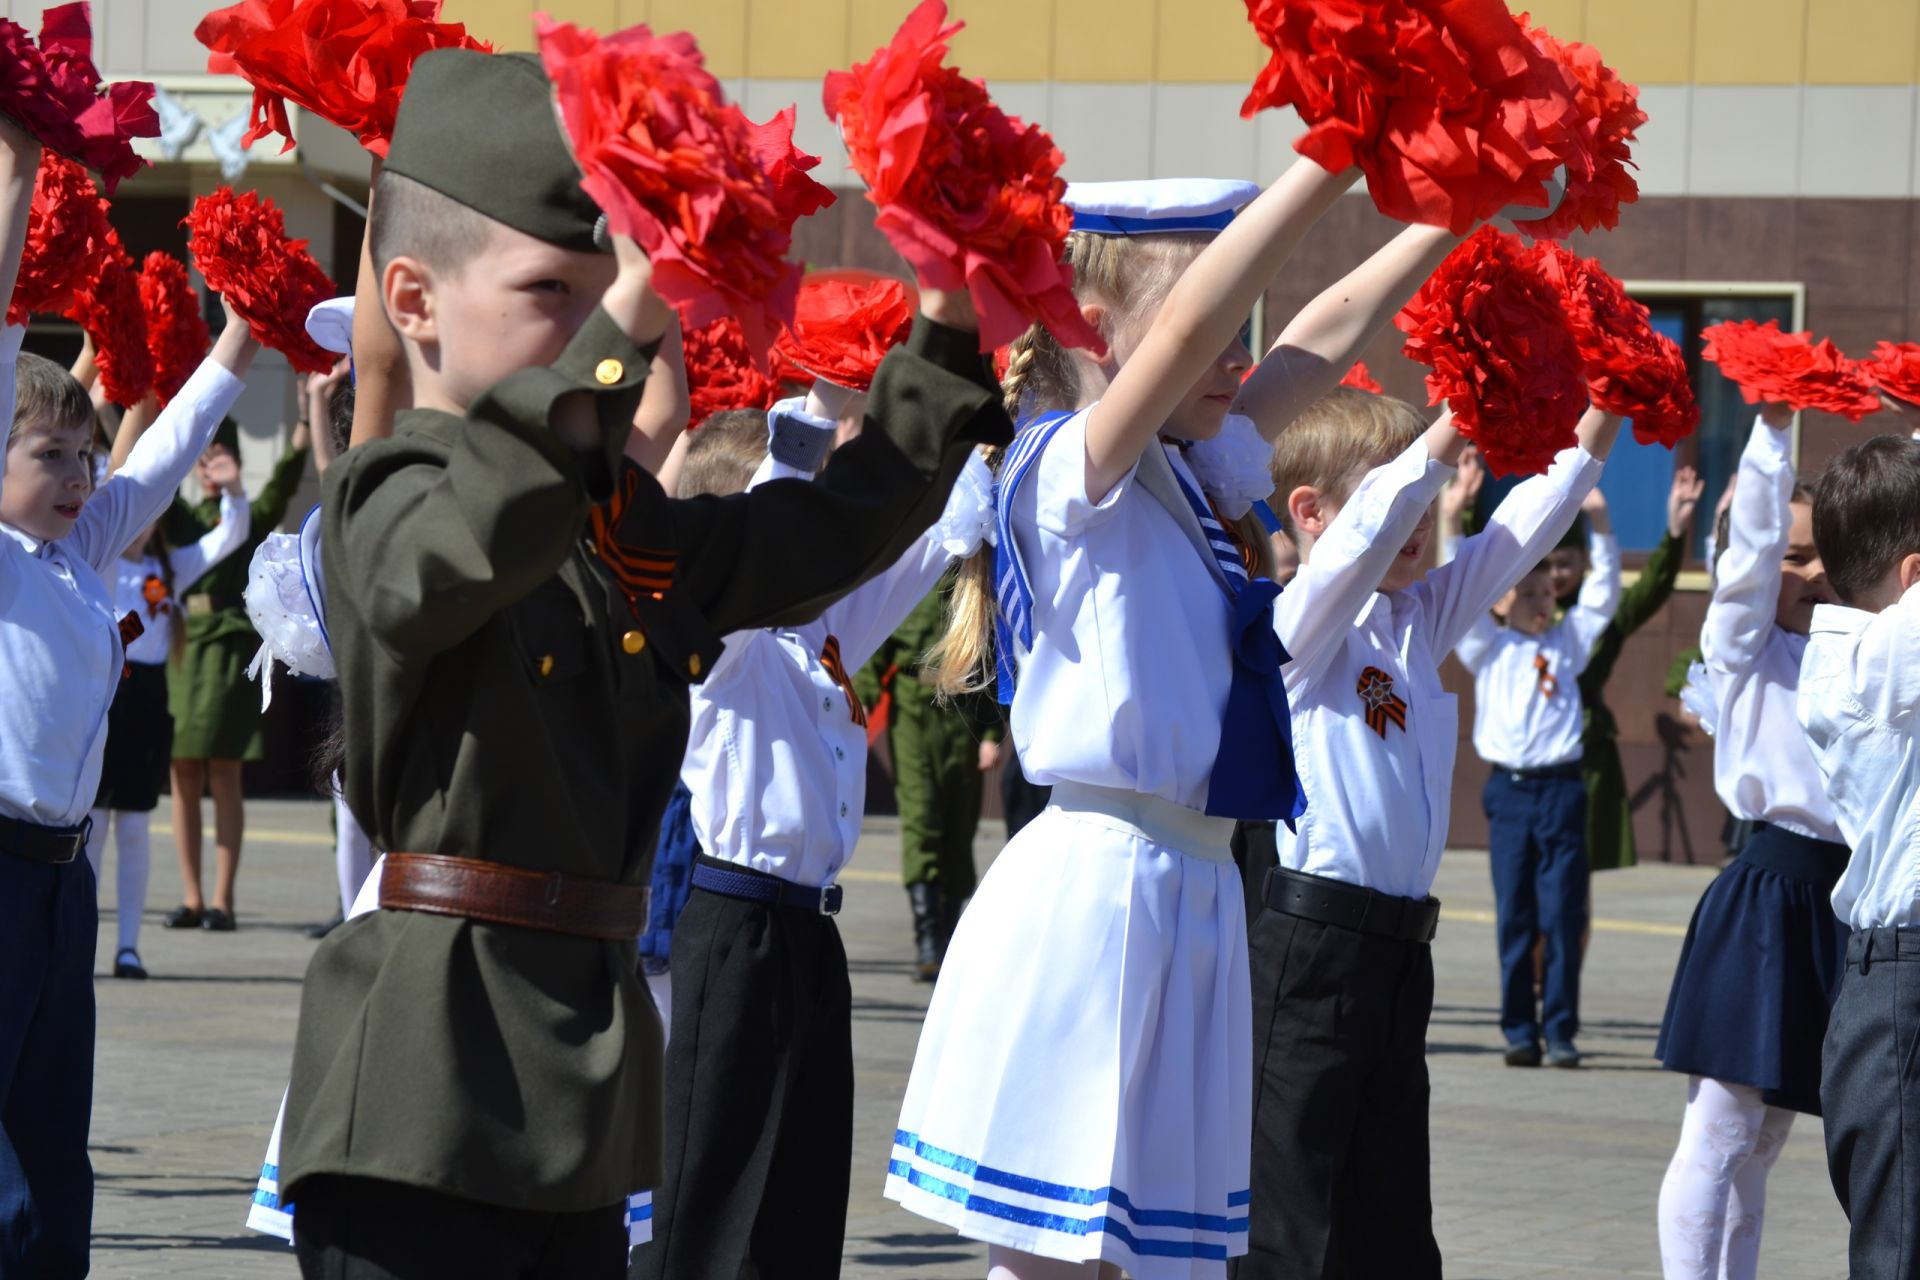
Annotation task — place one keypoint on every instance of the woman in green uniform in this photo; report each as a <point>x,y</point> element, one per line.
<point>216,708</point>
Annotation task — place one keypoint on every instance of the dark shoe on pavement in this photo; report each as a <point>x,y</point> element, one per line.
<point>925,900</point>
<point>1523,1055</point>
<point>218,921</point>
<point>322,930</point>
<point>1564,1056</point>
<point>183,918</point>
<point>127,964</point>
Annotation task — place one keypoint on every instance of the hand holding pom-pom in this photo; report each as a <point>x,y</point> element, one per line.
<point>1772,367</point>
<point>68,237</point>
<point>108,308</point>
<point>711,196</point>
<point>1631,370</point>
<point>347,61</point>
<point>724,373</point>
<point>1496,340</point>
<point>843,326</point>
<point>969,195</point>
<point>176,331</point>
<point>1608,111</point>
<point>240,244</point>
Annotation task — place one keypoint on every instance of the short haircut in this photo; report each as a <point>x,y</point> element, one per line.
<point>45,394</point>
<point>725,452</point>
<point>1345,429</point>
<point>1866,513</point>
<point>1575,538</point>
<point>411,220</point>
<point>339,423</point>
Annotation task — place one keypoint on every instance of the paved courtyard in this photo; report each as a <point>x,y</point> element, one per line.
<point>1536,1173</point>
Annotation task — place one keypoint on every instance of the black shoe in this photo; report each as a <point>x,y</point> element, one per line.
<point>925,899</point>
<point>183,918</point>
<point>126,964</point>
<point>1564,1056</point>
<point>217,921</point>
<point>322,930</point>
<point>1523,1055</point>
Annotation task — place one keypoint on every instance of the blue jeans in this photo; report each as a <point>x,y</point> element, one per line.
<point>1537,842</point>
<point>48,919</point>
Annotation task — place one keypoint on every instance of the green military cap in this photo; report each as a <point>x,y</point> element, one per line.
<point>480,129</point>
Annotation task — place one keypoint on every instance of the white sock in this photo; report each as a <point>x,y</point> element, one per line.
<point>134,852</point>
<point>352,850</point>
<point>1722,1132</point>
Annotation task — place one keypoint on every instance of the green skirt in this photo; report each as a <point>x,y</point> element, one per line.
<point>216,708</point>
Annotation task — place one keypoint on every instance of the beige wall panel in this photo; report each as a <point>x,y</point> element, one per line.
<point>1104,129</point>
<point>1647,41</point>
<point>719,25</point>
<point>1206,42</point>
<point>1274,132</point>
<point>170,46</point>
<point>1862,41</point>
<point>1660,147</point>
<point>1750,41</point>
<point>1564,19</point>
<point>1104,40</point>
<point>794,39</point>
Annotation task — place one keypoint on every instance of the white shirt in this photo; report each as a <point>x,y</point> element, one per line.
<point>1130,666</point>
<point>60,652</point>
<point>1378,786</point>
<point>776,761</point>
<point>1763,769</point>
<point>1860,703</point>
<point>1527,712</point>
<point>188,564</point>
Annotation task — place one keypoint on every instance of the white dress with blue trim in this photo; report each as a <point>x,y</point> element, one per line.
<point>1083,1083</point>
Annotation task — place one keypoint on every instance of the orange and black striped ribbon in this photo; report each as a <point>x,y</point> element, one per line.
<point>131,629</point>
<point>638,570</point>
<point>1248,558</point>
<point>830,659</point>
<point>1548,685</point>
<point>1382,703</point>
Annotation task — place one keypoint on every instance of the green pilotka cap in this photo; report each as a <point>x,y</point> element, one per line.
<point>480,129</point>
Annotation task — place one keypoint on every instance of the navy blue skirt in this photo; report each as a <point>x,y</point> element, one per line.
<point>1759,971</point>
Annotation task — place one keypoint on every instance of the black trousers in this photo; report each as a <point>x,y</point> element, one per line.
<point>1341,1167</point>
<point>1870,1093</point>
<point>759,1098</point>
<point>367,1229</point>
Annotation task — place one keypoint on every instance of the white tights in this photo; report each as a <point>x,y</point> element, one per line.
<point>133,854</point>
<point>1715,1192</point>
<point>1010,1264</point>
<point>352,850</point>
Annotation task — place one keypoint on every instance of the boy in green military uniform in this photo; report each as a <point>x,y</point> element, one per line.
<point>216,709</point>
<point>941,750</point>
<point>476,1077</point>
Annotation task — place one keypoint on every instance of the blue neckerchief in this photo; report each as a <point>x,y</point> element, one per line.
<point>1012,588</point>
<point>1226,552</point>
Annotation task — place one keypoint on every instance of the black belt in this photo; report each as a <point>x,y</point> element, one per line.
<point>1797,857</point>
<point>1348,906</point>
<point>1571,769</point>
<point>35,843</point>
<point>730,880</point>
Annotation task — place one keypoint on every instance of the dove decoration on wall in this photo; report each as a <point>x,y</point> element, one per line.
<point>224,140</point>
<point>179,124</point>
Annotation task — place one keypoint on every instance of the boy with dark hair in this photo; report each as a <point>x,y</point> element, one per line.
<point>1860,705</point>
<point>476,1082</point>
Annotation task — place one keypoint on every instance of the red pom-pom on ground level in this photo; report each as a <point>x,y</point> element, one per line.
<point>1789,368</point>
<point>240,244</point>
<point>177,335</point>
<point>969,195</point>
<point>844,324</point>
<point>67,238</point>
<point>1500,353</point>
<point>347,61</point>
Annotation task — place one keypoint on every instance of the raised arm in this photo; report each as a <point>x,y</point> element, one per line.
<point>665,405</point>
<point>136,495</point>
<point>382,385</point>
<point>19,162</point>
<point>1321,343</point>
<point>133,424</point>
<point>1599,596</point>
<point>1746,589</point>
<point>216,544</point>
<point>1200,317</point>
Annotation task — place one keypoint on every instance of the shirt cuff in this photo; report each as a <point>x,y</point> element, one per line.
<point>797,439</point>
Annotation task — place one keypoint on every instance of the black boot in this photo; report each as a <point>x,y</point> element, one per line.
<point>925,898</point>
<point>949,921</point>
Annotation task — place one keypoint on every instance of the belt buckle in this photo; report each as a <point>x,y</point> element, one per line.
<point>78,841</point>
<point>830,898</point>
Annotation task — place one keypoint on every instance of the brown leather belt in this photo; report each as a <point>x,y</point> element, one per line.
<point>501,894</point>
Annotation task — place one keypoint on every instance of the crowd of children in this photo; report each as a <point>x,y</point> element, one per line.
<point>597,680</point>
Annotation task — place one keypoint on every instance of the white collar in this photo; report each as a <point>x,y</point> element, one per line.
<point>1838,619</point>
<point>30,544</point>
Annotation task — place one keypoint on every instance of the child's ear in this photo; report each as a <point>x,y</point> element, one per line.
<point>1309,511</point>
<point>406,289</point>
<point>1909,572</point>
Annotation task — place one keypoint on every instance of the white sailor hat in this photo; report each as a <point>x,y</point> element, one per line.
<point>330,324</point>
<point>1155,205</point>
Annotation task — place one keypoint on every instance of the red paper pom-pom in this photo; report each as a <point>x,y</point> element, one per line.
<point>240,244</point>
<point>724,372</point>
<point>1445,105</point>
<point>1501,354</point>
<point>176,331</point>
<point>108,308</point>
<point>1789,369</point>
<point>347,61</point>
<point>968,194</point>
<point>1895,369</point>
<point>54,91</point>
<point>843,324</point>
<point>67,238</point>
<point>1361,379</point>
<point>711,196</point>
<point>1631,370</point>
<point>1608,114</point>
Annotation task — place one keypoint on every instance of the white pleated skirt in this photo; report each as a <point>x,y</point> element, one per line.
<point>1083,1084</point>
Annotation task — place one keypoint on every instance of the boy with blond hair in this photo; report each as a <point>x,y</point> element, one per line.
<point>1342,969</point>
